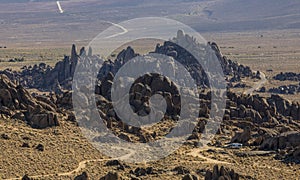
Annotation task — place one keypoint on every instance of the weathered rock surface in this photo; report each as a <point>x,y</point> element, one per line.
<point>83,176</point>
<point>17,102</point>
<point>221,173</point>
<point>190,177</point>
<point>111,176</point>
<point>230,68</point>
<point>44,77</point>
<point>284,140</point>
<point>260,109</point>
<point>287,76</point>
<point>26,177</point>
<point>242,137</point>
<point>286,89</point>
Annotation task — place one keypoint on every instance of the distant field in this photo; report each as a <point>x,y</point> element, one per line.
<point>261,50</point>
<point>31,56</point>
<point>276,50</point>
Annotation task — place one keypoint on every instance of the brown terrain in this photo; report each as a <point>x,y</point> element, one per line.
<point>65,153</point>
<point>40,135</point>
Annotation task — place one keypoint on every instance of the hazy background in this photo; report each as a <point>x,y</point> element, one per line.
<point>39,23</point>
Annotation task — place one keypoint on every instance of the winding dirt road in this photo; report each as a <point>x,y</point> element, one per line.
<point>117,34</point>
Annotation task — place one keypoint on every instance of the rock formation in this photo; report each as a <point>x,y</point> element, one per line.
<point>286,89</point>
<point>83,176</point>
<point>46,78</point>
<point>284,140</point>
<point>287,76</point>
<point>221,173</point>
<point>16,102</point>
<point>111,176</point>
<point>230,68</point>
<point>242,137</point>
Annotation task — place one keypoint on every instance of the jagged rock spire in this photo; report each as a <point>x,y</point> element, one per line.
<point>126,54</point>
<point>180,34</point>
<point>90,51</point>
<point>82,52</point>
<point>73,52</point>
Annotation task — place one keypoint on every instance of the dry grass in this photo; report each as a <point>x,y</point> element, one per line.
<point>65,148</point>
<point>31,56</point>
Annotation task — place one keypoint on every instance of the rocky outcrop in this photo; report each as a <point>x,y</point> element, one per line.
<point>190,177</point>
<point>149,85</point>
<point>17,102</point>
<point>111,176</point>
<point>26,177</point>
<point>83,176</point>
<point>44,77</point>
<point>284,140</point>
<point>294,155</point>
<point>287,76</point>
<point>260,109</point>
<point>286,89</point>
<point>64,100</point>
<point>230,68</point>
<point>221,173</point>
<point>260,114</point>
<point>111,67</point>
<point>287,146</point>
<point>242,137</point>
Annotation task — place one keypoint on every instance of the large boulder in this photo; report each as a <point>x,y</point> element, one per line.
<point>221,173</point>
<point>296,154</point>
<point>83,176</point>
<point>282,141</point>
<point>44,120</point>
<point>111,176</point>
<point>242,137</point>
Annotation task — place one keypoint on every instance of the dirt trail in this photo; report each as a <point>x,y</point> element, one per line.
<point>81,166</point>
<point>196,153</point>
<point>258,85</point>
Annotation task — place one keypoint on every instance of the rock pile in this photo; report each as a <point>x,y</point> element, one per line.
<point>286,89</point>
<point>230,68</point>
<point>255,109</point>
<point>262,118</point>
<point>150,84</point>
<point>287,143</point>
<point>242,137</point>
<point>221,173</point>
<point>287,76</point>
<point>46,78</point>
<point>284,140</point>
<point>17,103</point>
<point>82,176</point>
<point>259,109</point>
<point>111,176</point>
